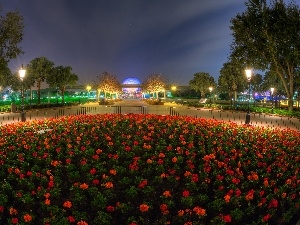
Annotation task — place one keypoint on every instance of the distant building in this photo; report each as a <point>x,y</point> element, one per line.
<point>131,85</point>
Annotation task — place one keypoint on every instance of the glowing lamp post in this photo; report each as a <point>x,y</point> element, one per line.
<point>88,88</point>
<point>210,90</point>
<point>22,73</point>
<point>272,92</point>
<point>248,75</point>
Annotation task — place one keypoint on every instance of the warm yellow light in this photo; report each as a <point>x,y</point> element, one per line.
<point>210,89</point>
<point>248,74</point>
<point>88,88</point>
<point>173,88</point>
<point>22,73</point>
<point>272,90</point>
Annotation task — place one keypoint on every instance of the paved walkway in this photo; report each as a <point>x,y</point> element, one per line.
<point>138,106</point>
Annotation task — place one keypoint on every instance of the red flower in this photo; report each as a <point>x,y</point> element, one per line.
<point>14,220</point>
<point>110,208</point>
<point>93,171</point>
<point>51,184</point>
<point>195,178</point>
<point>144,208</point>
<point>27,218</point>
<point>273,203</point>
<point>71,219</point>
<point>185,193</point>
<point>143,184</point>
<point>227,218</point>
<point>96,181</point>
<point>67,204</point>
<point>266,217</point>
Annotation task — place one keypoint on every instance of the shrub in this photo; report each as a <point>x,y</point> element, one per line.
<point>147,169</point>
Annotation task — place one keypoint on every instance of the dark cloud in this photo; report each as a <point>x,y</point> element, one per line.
<point>128,38</point>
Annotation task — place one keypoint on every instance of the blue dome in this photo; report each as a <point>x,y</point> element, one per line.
<point>131,80</point>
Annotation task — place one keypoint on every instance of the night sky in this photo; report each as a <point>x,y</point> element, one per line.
<point>128,38</point>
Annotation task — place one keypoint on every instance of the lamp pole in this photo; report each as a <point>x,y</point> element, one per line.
<point>272,91</point>
<point>248,75</point>
<point>210,90</point>
<point>22,73</point>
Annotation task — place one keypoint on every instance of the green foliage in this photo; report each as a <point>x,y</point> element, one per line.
<point>148,169</point>
<point>11,34</point>
<point>266,37</point>
<point>201,82</point>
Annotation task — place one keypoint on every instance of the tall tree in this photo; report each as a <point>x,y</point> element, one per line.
<point>60,77</point>
<point>232,79</point>
<point>154,83</point>
<point>108,83</point>
<point>201,82</point>
<point>267,37</point>
<point>5,75</point>
<point>11,34</point>
<point>39,69</point>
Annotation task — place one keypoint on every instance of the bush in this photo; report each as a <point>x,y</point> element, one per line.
<point>147,169</point>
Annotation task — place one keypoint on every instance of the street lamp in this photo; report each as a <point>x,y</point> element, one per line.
<point>88,88</point>
<point>272,91</point>
<point>248,75</point>
<point>22,73</point>
<point>210,90</point>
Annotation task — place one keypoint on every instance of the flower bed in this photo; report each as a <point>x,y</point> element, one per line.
<point>147,169</point>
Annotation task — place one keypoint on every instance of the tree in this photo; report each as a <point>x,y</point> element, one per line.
<point>232,79</point>
<point>39,69</point>
<point>11,34</point>
<point>201,82</point>
<point>5,75</point>
<point>270,80</point>
<point>267,37</point>
<point>60,77</point>
<point>154,83</point>
<point>108,83</point>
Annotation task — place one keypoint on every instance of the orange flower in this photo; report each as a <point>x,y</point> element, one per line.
<point>82,222</point>
<point>174,159</point>
<point>47,201</point>
<point>27,218</point>
<point>227,198</point>
<point>67,204</point>
<point>98,151</point>
<point>163,175</point>
<point>84,186</point>
<point>144,208</point>
<point>163,207</point>
<point>13,211</point>
<point>113,172</point>
<point>17,171</point>
<point>149,161</point>
<point>199,211</point>
<point>47,195</point>
<point>109,185</point>
<point>55,163</point>
<point>167,194</point>
<point>288,181</point>
<point>250,195</point>
<point>187,173</point>
<point>161,155</point>
<point>180,213</point>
